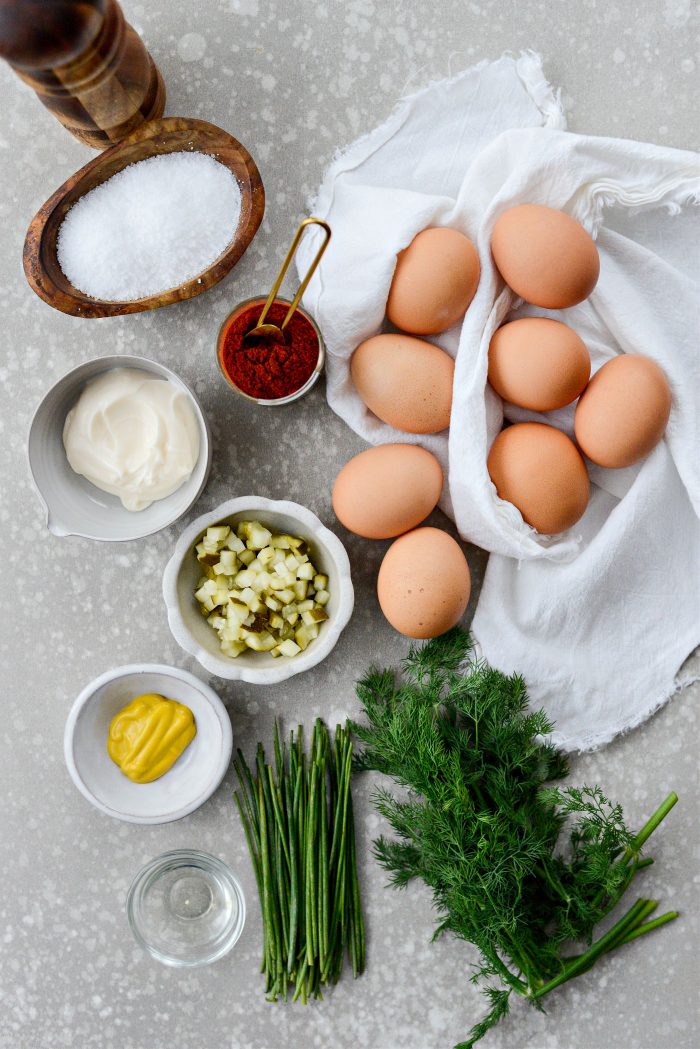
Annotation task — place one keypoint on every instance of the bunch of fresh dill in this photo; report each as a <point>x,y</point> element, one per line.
<point>516,866</point>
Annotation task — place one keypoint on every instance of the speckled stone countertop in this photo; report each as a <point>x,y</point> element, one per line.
<point>293,81</point>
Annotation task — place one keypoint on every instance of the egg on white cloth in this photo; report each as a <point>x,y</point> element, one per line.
<point>570,612</point>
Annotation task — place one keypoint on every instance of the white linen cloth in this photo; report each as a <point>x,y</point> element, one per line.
<point>597,620</point>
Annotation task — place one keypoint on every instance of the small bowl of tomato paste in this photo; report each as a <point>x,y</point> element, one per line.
<point>261,369</point>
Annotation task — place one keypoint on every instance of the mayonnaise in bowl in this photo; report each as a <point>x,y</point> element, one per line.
<point>132,435</point>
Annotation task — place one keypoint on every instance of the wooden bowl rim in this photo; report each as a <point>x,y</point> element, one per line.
<point>70,300</point>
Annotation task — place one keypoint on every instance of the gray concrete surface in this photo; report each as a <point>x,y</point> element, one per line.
<point>294,80</point>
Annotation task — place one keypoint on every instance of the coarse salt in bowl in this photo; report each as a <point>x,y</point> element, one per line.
<point>153,139</point>
<point>150,227</point>
<point>190,628</point>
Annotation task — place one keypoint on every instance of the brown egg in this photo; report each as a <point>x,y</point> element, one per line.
<point>435,279</point>
<point>406,382</point>
<point>623,412</point>
<point>538,363</point>
<point>540,471</point>
<point>424,583</point>
<point>386,490</point>
<point>545,256</point>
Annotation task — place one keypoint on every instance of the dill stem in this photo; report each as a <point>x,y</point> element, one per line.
<point>612,901</point>
<point>651,825</point>
<point>586,960</point>
<point>524,962</point>
<point>553,881</point>
<point>638,841</point>
<point>510,978</point>
<point>649,908</point>
<point>640,927</point>
<point>641,930</point>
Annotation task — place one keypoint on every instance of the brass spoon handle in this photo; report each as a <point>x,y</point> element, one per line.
<point>285,266</point>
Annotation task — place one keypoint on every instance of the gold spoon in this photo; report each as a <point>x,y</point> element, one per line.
<point>273,331</point>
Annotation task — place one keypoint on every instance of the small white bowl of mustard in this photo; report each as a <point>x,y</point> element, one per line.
<point>188,782</point>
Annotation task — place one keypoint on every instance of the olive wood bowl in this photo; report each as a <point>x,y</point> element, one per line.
<point>171,135</point>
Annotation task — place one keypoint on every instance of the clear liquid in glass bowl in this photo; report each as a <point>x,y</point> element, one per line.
<point>186,908</point>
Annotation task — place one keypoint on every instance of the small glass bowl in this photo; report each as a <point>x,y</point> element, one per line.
<point>186,908</point>
<point>275,401</point>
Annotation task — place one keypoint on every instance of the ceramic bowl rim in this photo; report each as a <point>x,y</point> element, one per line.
<point>88,693</point>
<point>153,367</point>
<point>229,669</point>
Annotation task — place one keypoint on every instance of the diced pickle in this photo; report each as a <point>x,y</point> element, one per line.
<point>217,534</point>
<point>259,591</point>
<point>288,648</point>
<point>300,589</point>
<point>256,535</point>
<point>259,642</point>
<point>208,559</point>
<point>233,648</point>
<point>237,611</point>
<point>305,635</point>
<point>260,623</point>
<point>244,578</point>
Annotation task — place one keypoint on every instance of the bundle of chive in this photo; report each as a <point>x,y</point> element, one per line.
<point>299,825</point>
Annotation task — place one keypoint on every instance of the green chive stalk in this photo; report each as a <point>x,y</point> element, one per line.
<point>298,822</point>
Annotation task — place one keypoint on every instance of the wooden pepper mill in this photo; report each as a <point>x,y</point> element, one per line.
<point>88,66</point>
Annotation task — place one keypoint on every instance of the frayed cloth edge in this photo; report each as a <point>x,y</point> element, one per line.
<point>528,66</point>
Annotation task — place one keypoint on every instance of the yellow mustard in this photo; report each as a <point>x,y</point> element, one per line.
<point>148,736</point>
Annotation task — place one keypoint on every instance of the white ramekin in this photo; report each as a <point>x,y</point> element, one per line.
<point>191,630</point>
<point>188,784</point>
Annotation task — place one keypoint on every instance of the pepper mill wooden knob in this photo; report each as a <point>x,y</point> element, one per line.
<point>88,66</point>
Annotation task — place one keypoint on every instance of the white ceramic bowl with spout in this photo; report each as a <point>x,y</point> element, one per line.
<point>190,628</point>
<point>74,506</point>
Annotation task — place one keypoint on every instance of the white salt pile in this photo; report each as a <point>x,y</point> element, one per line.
<point>154,225</point>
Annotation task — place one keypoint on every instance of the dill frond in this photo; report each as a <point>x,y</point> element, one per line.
<point>517,866</point>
